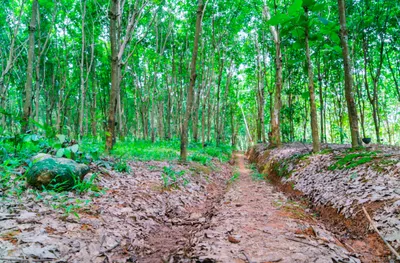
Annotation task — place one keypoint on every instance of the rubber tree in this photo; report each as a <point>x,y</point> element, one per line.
<point>275,136</point>
<point>118,46</point>
<point>348,77</point>
<point>27,111</point>
<point>311,88</point>
<point>190,92</point>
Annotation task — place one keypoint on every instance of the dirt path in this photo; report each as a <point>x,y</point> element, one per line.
<point>257,224</point>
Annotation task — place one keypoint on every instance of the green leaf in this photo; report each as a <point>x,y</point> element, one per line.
<point>323,20</point>
<point>297,33</point>
<point>338,49</point>
<point>74,148</point>
<point>67,152</point>
<point>61,138</point>
<point>278,19</point>
<point>318,7</point>
<point>295,7</point>
<point>308,3</point>
<point>60,152</point>
<point>335,38</point>
<point>305,95</point>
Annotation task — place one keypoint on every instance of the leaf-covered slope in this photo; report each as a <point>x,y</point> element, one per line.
<point>341,179</point>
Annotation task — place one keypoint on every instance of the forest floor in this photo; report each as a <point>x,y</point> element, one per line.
<point>195,213</point>
<point>256,223</point>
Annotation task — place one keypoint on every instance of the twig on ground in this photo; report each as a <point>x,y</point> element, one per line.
<point>379,233</point>
<point>246,256</point>
<point>7,217</point>
<point>102,253</point>
<point>305,146</point>
<point>301,241</point>
<point>26,260</point>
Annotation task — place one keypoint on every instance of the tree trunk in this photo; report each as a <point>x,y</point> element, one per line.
<point>94,103</point>
<point>82,80</point>
<point>321,101</point>
<point>275,138</point>
<point>311,89</point>
<point>27,111</point>
<point>184,135</point>
<point>217,117</point>
<point>348,78</point>
<point>114,39</point>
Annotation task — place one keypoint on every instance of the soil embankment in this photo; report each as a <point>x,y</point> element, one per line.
<point>337,184</point>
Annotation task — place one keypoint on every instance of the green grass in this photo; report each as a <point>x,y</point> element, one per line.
<point>255,175</point>
<point>169,151</point>
<point>235,176</point>
<point>352,160</point>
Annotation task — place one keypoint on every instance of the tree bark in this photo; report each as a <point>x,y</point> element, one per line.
<point>82,79</point>
<point>311,89</point>
<point>348,78</point>
<point>27,111</point>
<point>184,135</point>
<point>275,137</point>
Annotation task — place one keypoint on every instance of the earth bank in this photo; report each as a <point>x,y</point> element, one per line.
<point>337,184</point>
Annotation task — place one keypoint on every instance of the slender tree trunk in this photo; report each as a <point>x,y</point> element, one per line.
<point>322,102</point>
<point>27,111</point>
<point>348,78</point>
<point>311,89</point>
<point>82,79</point>
<point>396,82</point>
<point>361,106</point>
<point>184,136</point>
<point>260,89</point>
<point>11,58</point>
<point>217,117</point>
<point>94,103</point>
<point>275,138</point>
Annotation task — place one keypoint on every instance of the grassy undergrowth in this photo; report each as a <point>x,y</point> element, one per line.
<point>255,174</point>
<point>16,151</point>
<point>169,151</point>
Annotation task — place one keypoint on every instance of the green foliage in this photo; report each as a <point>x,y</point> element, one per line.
<point>235,176</point>
<point>122,166</point>
<point>83,186</point>
<point>352,160</point>
<point>172,178</point>
<point>169,150</point>
<point>255,175</point>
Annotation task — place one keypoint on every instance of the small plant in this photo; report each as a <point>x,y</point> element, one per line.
<point>258,176</point>
<point>200,158</point>
<point>86,185</point>
<point>65,148</point>
<point>352,160</point>
<point>235,176</point>
<point>171,178</point>
<point>122,166</point>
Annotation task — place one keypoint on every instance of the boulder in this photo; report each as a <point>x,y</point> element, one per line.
<point>55,173</point>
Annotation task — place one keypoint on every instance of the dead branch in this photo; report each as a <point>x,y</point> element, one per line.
<point>381,236</point>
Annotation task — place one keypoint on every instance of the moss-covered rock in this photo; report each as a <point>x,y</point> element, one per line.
<point>55,173</point>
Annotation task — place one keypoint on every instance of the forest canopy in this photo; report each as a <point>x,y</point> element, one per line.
<point>215,72</point>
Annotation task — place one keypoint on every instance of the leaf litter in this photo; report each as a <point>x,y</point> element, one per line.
<point>139,218</point>
<point>370,182</point>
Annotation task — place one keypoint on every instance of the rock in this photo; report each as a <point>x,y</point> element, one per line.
<point>55,173</point>
<point>40,157</point>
